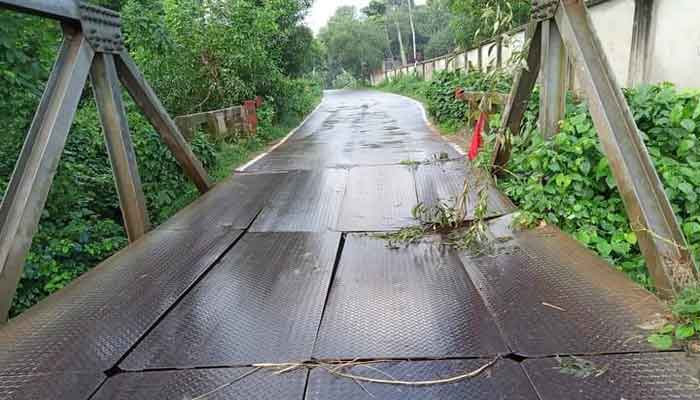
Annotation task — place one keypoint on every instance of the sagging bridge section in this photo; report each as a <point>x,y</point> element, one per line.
<point>280,265</point>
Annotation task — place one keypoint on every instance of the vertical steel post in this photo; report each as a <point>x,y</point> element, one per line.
<point>520,94</point>
<point>554,79</point>
<point>31,180</point>
<point>662,242</point>
<point>105,84</point>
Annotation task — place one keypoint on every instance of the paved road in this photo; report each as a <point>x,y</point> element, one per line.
<point>279,264</point>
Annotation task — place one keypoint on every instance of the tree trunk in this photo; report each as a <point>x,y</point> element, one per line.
<point>413,31</point>
<point>401,49</point>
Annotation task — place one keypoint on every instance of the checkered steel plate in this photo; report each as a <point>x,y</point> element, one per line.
<point>410,302</point>
<point>647,376</point>
<point>307,201</point>
<point>188,384</point>
<point>550,296</point>
<point>504,380</point>
<point>50,386</point>
<point>378,199</point>
<point>261,303</point>
<point>232,204</point>
<point>444,182</point>
<point>92,323</point>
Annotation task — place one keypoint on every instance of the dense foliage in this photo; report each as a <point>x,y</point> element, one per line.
<point>403,32</point>
<point>353,46</point>
<point>567,181</point>
<point>438,94</point>
<point>198,56</point>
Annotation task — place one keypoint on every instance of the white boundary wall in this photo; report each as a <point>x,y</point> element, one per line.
<point>673,48</point>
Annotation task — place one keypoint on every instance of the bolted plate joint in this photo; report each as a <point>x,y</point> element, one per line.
<point>102,28</point>
<point>544,9</point>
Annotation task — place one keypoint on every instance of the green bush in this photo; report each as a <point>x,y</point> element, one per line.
<point>568,182</point>
<point>438,94</point>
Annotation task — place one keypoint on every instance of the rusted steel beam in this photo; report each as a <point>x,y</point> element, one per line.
<point>662,242</point>
<point>520,94</point>
<point>105,85</point>
<point>148,101</point>
<point>63,10</point>
<point>31,180</point>
<point>554,79</point>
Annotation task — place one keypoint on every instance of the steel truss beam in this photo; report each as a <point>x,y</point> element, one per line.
<point>63,10</point>
<point>108,96</point>
<point>31,180</point>
<point>668,258</point>
<point>101,57</point>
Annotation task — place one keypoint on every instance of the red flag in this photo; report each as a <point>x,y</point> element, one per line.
<point>476,136</point>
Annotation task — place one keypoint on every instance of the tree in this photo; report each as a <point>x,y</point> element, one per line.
<point>352,44</point>
<point>477,20</point>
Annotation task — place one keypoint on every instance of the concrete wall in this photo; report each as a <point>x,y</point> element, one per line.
<point>673,49</point>
<point>613,21</point>
<point>676,43</point>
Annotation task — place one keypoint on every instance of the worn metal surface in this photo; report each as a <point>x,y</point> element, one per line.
<point>108,96</point>
<point>504,380</point>
<point>64,10</point>
<point>378,199</point>
<point>233,205</point>
<point>358,128</point>
<point>307,201</point>
<point>519,97</point>
<point>444,182</point>
<point>261,303</point>
<point>660,238</point>
<point>29,185</point>
<point>50,386</point>
<point>147,100</point>
<point>176,385</point>
<point>651,376</point>
<point>554,77</point>
<point>550,295</point>
<point>102,28</point>
<point>92,323</point>
<point>410,302</point>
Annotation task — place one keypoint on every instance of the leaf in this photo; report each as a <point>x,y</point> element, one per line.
<point>666,329</point>
<point>585,167</point>
<point>685,331</point>
<point>686,188</point>
<point>631,237</point>
<point>604,248</point>
<point>661,342</point>
<point>688,124</point>
<point>685,145</point>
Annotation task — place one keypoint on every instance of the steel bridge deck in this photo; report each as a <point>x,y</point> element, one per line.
<point>280,264</point>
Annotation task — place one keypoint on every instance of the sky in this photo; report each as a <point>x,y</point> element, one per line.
<point>323,10</point>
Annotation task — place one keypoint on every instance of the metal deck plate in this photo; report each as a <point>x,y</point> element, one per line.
<point>307,201</point>
<point>648,376</point>
<point>411,302</point>
<point>550,296</point>
<point>92,323</point>
<point>444,182</point>
<point>232,204</point>
<point>178,385</point>
<point>50,386</point>
<point>504,380</point>
<point>261,303</point>
<point>378,199</point>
